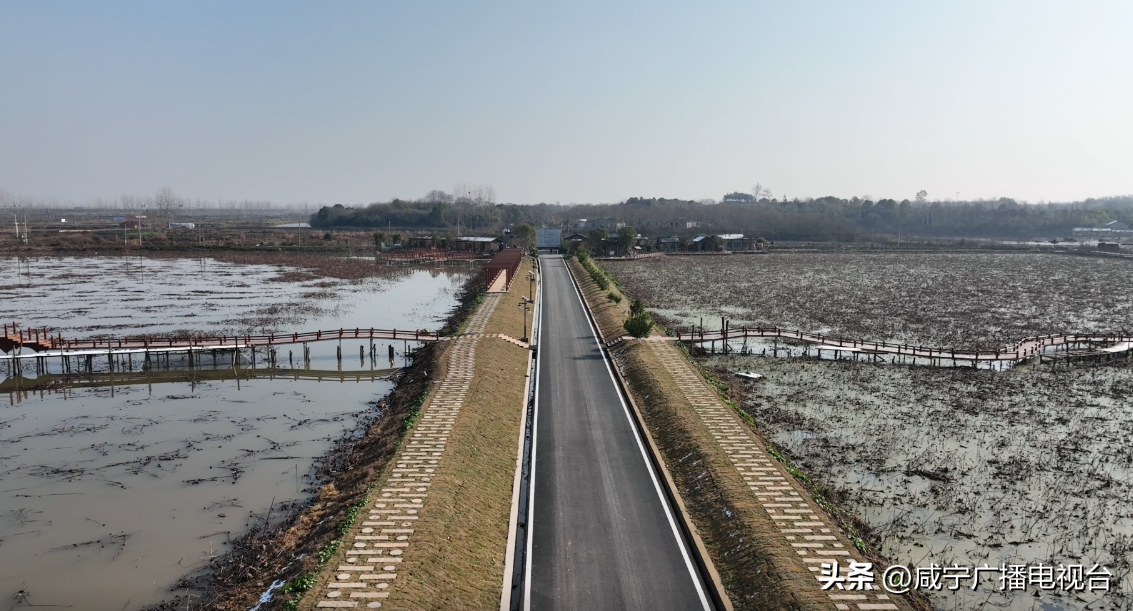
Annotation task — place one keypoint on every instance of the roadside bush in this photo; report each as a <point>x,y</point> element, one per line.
<point>614,297</point>
<point>595,273</point>
<point>639,326</point>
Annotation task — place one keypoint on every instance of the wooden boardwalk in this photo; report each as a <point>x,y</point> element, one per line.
<point>1075,345</point>
<point>44,343</point>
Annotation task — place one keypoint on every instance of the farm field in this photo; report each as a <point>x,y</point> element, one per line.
<point>965,301</point>
<point>946,466</point>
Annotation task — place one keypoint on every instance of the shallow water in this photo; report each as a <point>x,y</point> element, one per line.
<point>81,297</point>
<point>113,485</point>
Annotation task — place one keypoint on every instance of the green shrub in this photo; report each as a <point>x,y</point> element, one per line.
<point>599,279</point>
<point>301,583</point>
<point>639,326</point>
<point>614,297</point>
<point>636,308</point>
<point>595,273</point>
<point>414,411</point>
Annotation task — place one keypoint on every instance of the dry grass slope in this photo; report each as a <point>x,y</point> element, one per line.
<point>457,559</point>
<point>458,546</point>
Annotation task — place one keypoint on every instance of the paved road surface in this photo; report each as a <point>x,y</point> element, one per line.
<point>601,535</point>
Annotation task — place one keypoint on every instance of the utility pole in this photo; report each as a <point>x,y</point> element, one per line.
<point>144,211</point>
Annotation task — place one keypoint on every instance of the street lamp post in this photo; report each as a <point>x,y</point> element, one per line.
<point>524,305</point>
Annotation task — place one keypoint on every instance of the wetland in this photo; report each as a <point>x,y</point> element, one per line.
<point>1026,465</point>
<point>116,485</point>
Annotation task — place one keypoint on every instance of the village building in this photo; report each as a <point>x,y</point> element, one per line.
<point>477,244</point>
<point>606,223</point>
<point>681,223</point>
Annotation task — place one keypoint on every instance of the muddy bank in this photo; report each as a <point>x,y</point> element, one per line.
<point>962,466</point>
<point>206,238</point>
<point>948,300</point>
<point>272,565</point>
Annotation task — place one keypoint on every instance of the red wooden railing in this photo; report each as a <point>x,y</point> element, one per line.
<point>1024,348</point>
<point>40,339</point>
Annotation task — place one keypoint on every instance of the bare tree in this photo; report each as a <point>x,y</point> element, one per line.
<point>462,193</point>
<point>165,202</point>
<point>760,191</point>
<point>481,195</point>
<point>437,197</point>
<point>484,195</point>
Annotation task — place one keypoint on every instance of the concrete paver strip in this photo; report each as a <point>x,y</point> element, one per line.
<point>807,530</point>
<point>374,553</point>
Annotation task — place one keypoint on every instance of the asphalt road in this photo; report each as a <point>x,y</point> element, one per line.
<point>601,534</point>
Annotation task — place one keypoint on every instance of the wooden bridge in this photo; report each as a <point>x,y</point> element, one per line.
<point>41,340</point>
<point>1031,347</point>
<point>43,343</point>
<point>43,346</point>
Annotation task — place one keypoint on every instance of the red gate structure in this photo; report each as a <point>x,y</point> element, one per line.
<point>507,262</point>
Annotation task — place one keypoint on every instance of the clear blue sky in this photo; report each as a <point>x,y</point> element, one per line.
<point>352,102</point>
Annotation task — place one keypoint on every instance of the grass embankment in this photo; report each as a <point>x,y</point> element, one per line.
<point>456,558</point>
<point>757,565</point>
<point>508,317</point>
<point>597,286</point>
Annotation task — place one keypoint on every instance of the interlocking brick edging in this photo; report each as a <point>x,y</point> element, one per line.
<point>375,551</point>
<point>806,529</point>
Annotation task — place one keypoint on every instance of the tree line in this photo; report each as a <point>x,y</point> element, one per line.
<point>821,219</point>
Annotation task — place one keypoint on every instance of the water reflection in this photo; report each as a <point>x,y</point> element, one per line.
<point>20,388</point>
<point>119,477</point>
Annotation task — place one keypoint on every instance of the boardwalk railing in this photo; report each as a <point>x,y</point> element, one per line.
<point>425,255</point>
<point>41,339</point>
<point>1022,349</point>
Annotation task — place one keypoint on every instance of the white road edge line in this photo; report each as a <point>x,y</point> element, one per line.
<point>534,442</point>
<point>644,456</point>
